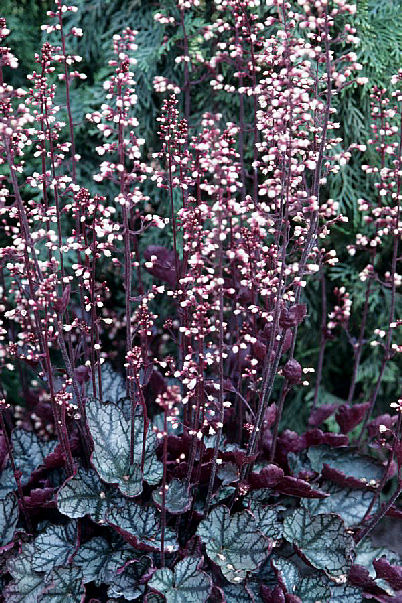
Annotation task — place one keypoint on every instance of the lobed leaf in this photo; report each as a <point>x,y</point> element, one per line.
<point>100,561</point>
<point>127,582</point>
<point>54,547</point>
<point>27,585</point>
<point>84,494</point>
<point>345,466</point>
<point>322,540</point>
<point>186,583</point>
<point>177,497</point>
<point>110,431</point>
<point>235,556</point>
<point>66,586</point>
<point>351,505</point>
<point>141,527</point>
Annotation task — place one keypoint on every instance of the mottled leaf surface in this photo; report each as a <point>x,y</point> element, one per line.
<point>27,584</point>
<point>287,572</point>
<point>322,539</point>
<point>9,513</point>
<point>234,543</point>
<point>314,589</point>
<point>346,594</point>
<point>29,452</point>
<point>267,519</point>
<point>66,586</point>
<point>100,561</point>
<point>110,431</point>
<point>85,494</point>
<point>127,582</point>
<point>186,583</point>
<point>54,547</point>
<point>351,505</point>
<point>113,385</point>
<point>177,497</point>
<point>141,526</point>
<point>237,594</point>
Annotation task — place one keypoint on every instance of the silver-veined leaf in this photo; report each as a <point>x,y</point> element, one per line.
<point>322,539</point>
<point>27,585</point>
<point>177,497</point>
<point>29,452</point>
<point>186,583</point>
<point>127,583</point>
<point>100,561</point>
<point>141,527</point>
<point>234,543</point>
<point>110,431</point>
<point>84,494</point>
<point>54,547</point>
<point>9,513</point>
<point>350,504</point>
<point>314,589</point>
<point>66,586</point>
<point>288,574</point>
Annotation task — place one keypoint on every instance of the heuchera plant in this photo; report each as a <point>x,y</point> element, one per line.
<point>148,460</point>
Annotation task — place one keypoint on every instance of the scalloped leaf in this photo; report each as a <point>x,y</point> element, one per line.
<point>66,586</point>
<point>29,452</point>
<point>110,432</point>
<point>127,582</point>
<point>9,513</point>
<point>27,584</point>
<point>54,547</point>
<point>235,555</point>
<point>266,518</point>
<point>84,494</point>
<point>100,561</point>
<point>314,589</point>
<point>186,583</point>
<point>321,539</point>
<point>351,505</point>
<point>177,498</point>
<point>141,527</point>
<point>366,554</point>
<point>353,469</point>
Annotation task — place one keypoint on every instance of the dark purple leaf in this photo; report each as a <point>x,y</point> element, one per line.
<point>394,512</point>
<point>318,415</point>
<point>82,374</point>
<point>373,427</point>
<point>315,437</point>
<point>293,316</point>
<point>3,450</point>
<point>270,415</point>
<point>293,486</point>
<point>275,595</point>
<point>268,477</point>
<point>163,266</point>
<point>338,477</point>
<point>40,497</point>
<point>390,573</point>
<point>292,598</point>
<point>348,417</point>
